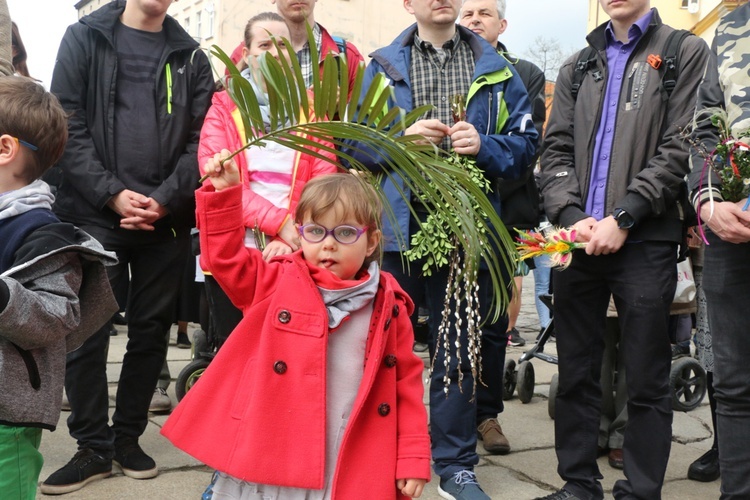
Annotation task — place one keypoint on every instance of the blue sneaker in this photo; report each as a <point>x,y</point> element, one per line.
<point>461,486</point>
<point>209,493</point>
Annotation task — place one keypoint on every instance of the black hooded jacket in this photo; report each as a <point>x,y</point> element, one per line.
<point>85,80</point>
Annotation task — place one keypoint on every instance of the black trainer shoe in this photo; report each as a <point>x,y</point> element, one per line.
<point>559,495</point>
<point>84,467</point>
<point>183,342</point>
<point>132,459</point>
<point>515,339</point>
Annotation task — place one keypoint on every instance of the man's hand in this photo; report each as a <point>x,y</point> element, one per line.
<point>153,212</point>
<point>433,131</point>
<point>584,229</point>
<point>465,138</point>
<point>411,488</point>
<point>607,238</point>
<point>222,172</point>
<point>728,221</point>
<point>137,211</point>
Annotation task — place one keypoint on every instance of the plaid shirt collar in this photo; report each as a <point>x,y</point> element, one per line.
<point>305,59</point>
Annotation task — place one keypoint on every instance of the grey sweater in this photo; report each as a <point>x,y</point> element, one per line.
<point>55,296</point>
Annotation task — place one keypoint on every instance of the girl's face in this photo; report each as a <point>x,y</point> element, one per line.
<point>261,42</point>
<point>343,260</point>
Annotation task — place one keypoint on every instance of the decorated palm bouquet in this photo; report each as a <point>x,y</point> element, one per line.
<point>555,242</point>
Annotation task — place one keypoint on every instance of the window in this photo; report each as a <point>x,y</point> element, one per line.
<point>198,26</point>
<point>211,13</point>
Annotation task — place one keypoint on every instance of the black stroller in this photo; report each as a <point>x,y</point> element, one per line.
<point>687,378</point>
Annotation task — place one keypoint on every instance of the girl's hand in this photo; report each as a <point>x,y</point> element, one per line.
<point>411,488</point>
<point>275,247</point>
<point>222,172</point>
<point>289,234</point>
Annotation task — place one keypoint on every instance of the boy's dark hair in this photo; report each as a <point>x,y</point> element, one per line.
<point>33,115</point>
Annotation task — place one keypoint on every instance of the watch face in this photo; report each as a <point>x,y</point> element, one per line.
<point>624,219</point>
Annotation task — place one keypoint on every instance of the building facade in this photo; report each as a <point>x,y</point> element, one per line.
<point>699,16</point>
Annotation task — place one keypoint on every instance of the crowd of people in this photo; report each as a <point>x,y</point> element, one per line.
<point>304,278</point>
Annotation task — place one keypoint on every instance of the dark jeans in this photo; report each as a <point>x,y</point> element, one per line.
<point>726,273</point>
<point>642,279</point>
<point>453,417</point>
<point>155,262</point>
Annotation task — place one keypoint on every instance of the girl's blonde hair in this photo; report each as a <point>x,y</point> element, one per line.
<point>352,193</point>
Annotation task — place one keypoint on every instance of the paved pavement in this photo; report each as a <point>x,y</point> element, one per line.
<point>527,472</point>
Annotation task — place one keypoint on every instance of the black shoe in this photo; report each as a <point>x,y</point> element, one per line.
<point>119,319</point>
<point>706,468</point>
<point>84,467</point>
<point>112,329</point>
<point>559,495</point>
<point>515,339</point>
<point>132,460</point>
<point>182,340</point>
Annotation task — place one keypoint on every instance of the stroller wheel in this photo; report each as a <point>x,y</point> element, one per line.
<point>189,376</point>
<point>525,381</point>
<point>200,344</point>
<point>687,379</point>
<point>553,385</point>
<point>509,379</point>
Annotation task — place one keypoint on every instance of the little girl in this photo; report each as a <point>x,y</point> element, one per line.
<point>317,393</point>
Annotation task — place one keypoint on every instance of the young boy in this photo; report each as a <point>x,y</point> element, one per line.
<point>54,290</point>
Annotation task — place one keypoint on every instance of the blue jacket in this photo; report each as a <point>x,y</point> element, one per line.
<point>497,105</point>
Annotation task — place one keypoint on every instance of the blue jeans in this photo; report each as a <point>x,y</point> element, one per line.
<point>726,282</point>
<point>542,273</point>
<point>453,418</point>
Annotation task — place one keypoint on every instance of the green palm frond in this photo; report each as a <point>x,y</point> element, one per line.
<point>299,122</point>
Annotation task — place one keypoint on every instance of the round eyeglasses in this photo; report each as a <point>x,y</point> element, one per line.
<point>346,235</point>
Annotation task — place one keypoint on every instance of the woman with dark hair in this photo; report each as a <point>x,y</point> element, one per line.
<point>19,52</point>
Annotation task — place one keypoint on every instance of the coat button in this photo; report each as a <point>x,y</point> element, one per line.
<point>285,316</point>
<point>279,367</point>
<point>387,324</point>
<point>390,361</point>
<point>384,409</point>
<point>395,311</point>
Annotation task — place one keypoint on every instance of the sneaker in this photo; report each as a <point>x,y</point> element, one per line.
<point>132,459</point>
<point>85,466</point>
<point>493,439</point>
<point>183,342</point>
<point>680,350</point>
<point>208,494</point>
<point>160,402</point>
<point>706,468</point>
<point>461,486</point>
<point>559,495</point>
<point>515,339</point>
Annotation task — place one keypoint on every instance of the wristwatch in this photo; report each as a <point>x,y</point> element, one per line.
<point>624,219</point>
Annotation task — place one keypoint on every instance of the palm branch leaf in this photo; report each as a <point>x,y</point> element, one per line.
<point>374,125</point>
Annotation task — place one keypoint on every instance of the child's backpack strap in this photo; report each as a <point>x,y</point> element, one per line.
<point>341,44</point>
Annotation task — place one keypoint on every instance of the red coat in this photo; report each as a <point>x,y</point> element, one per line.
<point>258,412</point>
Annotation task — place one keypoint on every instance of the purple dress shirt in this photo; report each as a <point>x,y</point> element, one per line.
<point>618,54</point>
